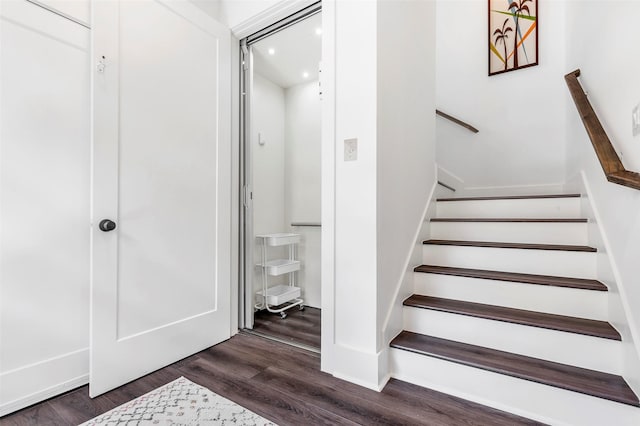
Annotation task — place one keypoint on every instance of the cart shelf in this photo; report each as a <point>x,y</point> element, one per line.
<point>279,294</point>
<point>280,239</point>
<point>280,266</point>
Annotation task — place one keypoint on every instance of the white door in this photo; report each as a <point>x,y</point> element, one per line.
<point>161,174</point>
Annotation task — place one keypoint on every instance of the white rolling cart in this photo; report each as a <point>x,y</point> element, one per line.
<point>283,293</point>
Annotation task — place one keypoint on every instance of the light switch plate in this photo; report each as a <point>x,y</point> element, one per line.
<point>635,120</point>
<point>350,149</point>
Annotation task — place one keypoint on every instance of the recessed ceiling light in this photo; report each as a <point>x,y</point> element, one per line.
<point>305,75</point>
<point>318,31</point>
<point>272,51</point>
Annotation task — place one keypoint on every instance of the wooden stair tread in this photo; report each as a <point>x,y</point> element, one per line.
<point>509,197</point>
<point>590,382</point>
<point>517,316</point>
<point>578,283</point>
<point>506,219</point>
<point>491,244</point>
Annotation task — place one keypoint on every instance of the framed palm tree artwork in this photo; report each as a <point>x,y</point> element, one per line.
<point>513,35</point>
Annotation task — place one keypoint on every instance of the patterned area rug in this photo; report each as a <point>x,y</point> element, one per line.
<point>179,403</point>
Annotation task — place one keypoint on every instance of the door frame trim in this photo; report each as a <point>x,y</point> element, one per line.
<point>301,11</point>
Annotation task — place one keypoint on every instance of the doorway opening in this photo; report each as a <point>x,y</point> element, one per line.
<point>280,294</point>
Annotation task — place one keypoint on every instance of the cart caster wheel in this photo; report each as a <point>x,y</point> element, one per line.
<point>301,307</point>
<point>283,315</point>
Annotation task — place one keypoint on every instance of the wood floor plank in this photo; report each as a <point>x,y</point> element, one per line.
<point>281,383</point>
<point>595,383</point>
<point>515,220</point>
<point>268,402</point>
<point>254,361</point>
<point>301,327</point>
<point>527,246</point>
<point>517,316</point>
<point>40,414</point>
<point>77,407</point>
<point>510,197</point>
<point>361,410</point>
<point>458,411</point>
<point>577,283</point>
<point>143,385</point>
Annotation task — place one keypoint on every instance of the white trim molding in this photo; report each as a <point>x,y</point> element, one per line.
<point>269,17</point>
<point>26,385</point>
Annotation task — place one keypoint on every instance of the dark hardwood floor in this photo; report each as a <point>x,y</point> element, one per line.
<point>299,327</point>
<point>281,383</point>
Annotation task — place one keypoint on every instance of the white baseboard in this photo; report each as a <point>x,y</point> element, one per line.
<point>27,385</point>
<point>369,370</point>
<point>448,178</point>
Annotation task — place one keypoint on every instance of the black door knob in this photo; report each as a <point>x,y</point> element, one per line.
<point>107,225</point>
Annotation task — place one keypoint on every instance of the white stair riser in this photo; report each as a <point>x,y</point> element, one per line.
<point>544,262</point>
<point>566,348</point>
<point>531,297</point>
<point>544,403</point>
<point>525,208</point>
<point>512,232</point>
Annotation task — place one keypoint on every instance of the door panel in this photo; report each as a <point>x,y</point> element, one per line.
<point>160,280</point>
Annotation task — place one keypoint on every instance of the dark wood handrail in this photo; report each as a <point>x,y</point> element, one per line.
<point>457,121</point>
<point>607,155</point>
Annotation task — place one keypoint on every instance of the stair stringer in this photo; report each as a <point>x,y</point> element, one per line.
<point>394,322</point>
<point>608,273</point>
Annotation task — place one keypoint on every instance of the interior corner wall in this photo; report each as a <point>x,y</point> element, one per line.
<point>609,76</point>
<point>520,114</point>
<point>405,139</point>
<point>302,182</point>
<point>211,8</point>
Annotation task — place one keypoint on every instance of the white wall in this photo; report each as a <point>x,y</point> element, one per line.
<point>609,77</point>
<point>302,128</point>
<point>44,202</point>
<point>302,181</point>
<point>234,12</point>
<point>520,114</point>
<point>268,168</point>
<point>406,147</point>
<point>211,8</point>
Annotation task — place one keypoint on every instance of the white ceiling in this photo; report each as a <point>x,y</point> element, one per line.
<point>297,49</point>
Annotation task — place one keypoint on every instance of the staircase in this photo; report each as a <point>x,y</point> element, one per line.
<point>508,312</point>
